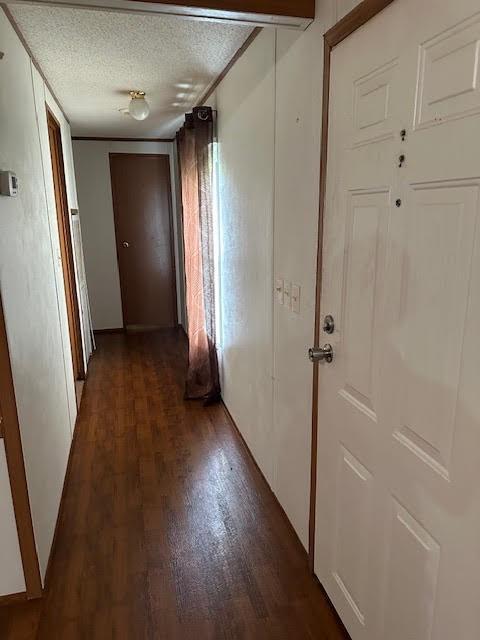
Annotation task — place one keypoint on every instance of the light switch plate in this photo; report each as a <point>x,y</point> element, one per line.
<point>287,295</point>
<point>279,290</point>
<point>296,298</point>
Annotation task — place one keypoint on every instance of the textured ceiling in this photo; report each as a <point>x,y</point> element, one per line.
<point>93,58</point>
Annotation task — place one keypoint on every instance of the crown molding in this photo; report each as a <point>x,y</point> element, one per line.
<point>107,139</point>
<point>295,14</point>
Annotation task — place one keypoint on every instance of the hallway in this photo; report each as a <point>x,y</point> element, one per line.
<point>168,530</point>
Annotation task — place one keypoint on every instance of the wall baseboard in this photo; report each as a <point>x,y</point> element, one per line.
<point>287,520</point>
<point>182,329</point>
<point>61,506</point>
<point>99,332</point>
<point>257,468</point>
<point>102,139</point>
<point>13,598</point>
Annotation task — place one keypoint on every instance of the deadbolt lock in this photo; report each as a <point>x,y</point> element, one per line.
<point>329,324</point>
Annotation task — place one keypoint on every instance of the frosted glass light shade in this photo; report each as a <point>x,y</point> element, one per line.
<point>139,108</point>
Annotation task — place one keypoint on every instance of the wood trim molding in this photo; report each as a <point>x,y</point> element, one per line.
<point>106,139</point>
<point>101,332</point>
<point>360,15</point>
<point>16,469</point>
<point>35,63</point>
<point>182,330</point>
<point>256,32</point>
<point>66,243</point>
<point>288,8</point>
<point>13,598</point>
<point>254,464</point>
<point>318,291</point>
<point>61,507</point>
<point>295,14</point>
<point>364,12</point>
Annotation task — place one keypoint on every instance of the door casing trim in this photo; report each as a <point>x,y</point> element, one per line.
<point>64,229</point>
<point>359,16</point>
<point>10,432</point>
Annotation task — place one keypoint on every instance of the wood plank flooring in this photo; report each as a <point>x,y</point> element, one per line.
<point>168,529</point>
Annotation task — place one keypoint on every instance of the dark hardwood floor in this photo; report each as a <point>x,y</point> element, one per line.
<point>168,529</point>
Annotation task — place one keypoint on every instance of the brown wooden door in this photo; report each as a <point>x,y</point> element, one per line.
<point>143,226</point>
<point>66,251</point>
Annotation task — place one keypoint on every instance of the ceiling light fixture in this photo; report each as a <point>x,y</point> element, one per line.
<point>138,106</point>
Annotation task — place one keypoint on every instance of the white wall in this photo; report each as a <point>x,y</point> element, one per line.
<point>269,128</point>
<point>32,288</point>
<point>245,104</point>
<point>96,207</point>
<point>297,171</point>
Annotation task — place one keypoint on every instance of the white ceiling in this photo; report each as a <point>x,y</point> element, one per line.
<point>92,58</point>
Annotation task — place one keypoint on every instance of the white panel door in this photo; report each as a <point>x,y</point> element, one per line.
<point>398,498</point>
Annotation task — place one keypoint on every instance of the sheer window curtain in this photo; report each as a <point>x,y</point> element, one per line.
<point>195,151</point>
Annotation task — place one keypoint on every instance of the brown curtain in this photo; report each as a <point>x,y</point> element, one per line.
<point>195,152</point>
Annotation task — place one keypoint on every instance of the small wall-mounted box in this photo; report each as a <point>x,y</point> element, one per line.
<point>8,183</point>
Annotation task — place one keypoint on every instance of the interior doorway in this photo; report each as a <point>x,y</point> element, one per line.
<point>142,204</point>
<point>66,250</point>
